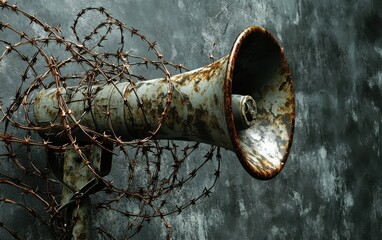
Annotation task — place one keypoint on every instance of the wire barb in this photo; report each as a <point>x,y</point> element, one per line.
<point>156,171</point>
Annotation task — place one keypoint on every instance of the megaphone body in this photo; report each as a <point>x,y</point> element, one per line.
<point>243,102</point>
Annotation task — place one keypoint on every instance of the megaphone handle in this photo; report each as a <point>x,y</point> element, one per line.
<point>77,176</point>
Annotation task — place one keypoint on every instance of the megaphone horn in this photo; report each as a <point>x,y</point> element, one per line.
<point>243,102</point>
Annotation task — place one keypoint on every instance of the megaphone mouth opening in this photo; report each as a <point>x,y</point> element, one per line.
<point>257,67</point>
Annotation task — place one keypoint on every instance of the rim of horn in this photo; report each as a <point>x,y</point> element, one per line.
<point>257,67</point>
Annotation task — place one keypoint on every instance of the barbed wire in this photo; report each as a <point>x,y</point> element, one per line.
<point>156,170</point>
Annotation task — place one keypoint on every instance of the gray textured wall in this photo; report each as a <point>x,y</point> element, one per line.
<point>331,187</point>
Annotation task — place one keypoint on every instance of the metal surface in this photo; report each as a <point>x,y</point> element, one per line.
<point>201,105</point>
<point>257,66</point>
<point>244,111</point>
<point>77,176</point>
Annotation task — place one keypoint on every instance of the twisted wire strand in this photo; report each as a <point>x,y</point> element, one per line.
<point>156,169</point>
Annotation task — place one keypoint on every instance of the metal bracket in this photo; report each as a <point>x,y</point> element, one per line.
<point>79,182</point>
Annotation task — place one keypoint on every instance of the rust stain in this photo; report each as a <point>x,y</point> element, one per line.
<point>257,163</point>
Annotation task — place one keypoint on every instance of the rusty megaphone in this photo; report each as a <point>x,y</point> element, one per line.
<point>243,102</point>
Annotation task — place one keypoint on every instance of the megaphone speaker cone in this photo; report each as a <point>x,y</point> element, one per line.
<point>257,67</point>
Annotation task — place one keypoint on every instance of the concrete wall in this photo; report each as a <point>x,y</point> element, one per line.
<point>331,186</point>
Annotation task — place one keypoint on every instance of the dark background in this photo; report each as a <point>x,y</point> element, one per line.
<point>331,187</point>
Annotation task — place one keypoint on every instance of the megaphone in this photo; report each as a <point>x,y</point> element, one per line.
<point>243,102</point>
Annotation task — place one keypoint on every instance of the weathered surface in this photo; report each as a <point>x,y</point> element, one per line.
<point>331,186</point>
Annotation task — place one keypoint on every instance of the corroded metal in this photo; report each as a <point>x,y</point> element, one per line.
<point>76,176</point>
<point>244,111</point>
<point>201,105</point>
<point>196,112</point>
<point>258,67</point>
